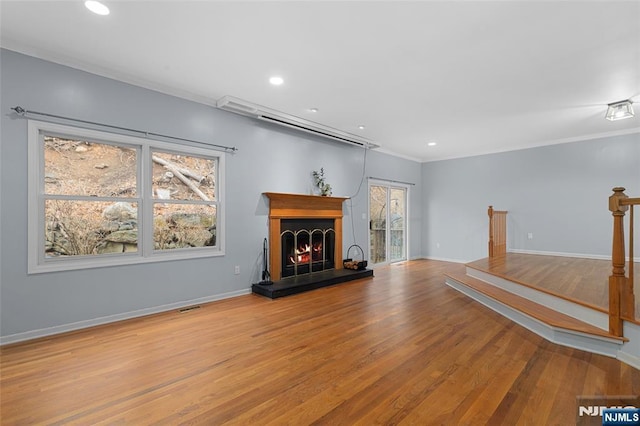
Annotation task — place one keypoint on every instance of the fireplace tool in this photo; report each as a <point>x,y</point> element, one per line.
<point>266,276</point>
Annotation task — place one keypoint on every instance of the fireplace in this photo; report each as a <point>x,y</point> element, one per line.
<point>305,234</point>
<point>307,246</point>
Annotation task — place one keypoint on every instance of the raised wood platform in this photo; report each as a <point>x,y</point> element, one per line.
<point>546,322</point>
<point>302,283</point>
<point>583,281</point>
<point>558,298</point>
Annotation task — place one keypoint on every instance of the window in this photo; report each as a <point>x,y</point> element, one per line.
<point>102,199</point>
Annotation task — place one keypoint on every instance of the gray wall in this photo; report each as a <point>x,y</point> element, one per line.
<point>559,193</point>
<point>269,159</point>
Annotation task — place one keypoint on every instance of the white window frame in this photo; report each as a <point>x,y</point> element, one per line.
<point>38,263</point>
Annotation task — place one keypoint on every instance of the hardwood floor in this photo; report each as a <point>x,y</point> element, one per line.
<point>583,280</point>
<point>400,348</point>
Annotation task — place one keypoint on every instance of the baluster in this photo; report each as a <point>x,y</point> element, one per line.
<point>630,297</point>
<point>617,280</point>
<point>490,211</point>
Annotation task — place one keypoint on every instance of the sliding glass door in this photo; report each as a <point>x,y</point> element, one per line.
<point>387,222</point>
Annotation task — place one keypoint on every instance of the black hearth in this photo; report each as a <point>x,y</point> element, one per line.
<point>302,283</point>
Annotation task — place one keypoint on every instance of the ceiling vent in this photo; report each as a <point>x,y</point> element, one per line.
<point>239,106</point>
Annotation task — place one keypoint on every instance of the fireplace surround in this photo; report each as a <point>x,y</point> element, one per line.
<point>297,221</point>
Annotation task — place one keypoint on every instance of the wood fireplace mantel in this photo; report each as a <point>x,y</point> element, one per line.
<point>300,206</point>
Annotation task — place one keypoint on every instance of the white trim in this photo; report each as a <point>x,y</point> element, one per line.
<point>122,260</point>
<point>220,196</point>
<point>563,254</point>
<point>43,332</point>
<point>630,351</point>
<point>34,238</point>
<point>553,142</point>
<point>36,262</point>
<point>629,359</point>
<point>75,63</point>
<point>398,155</point>
<point>445,259</point>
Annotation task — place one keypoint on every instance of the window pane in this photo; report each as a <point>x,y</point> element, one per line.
<point>77,167</point>
<point>76,228</point>
<point>378,223</point>
<point>183,225</point>
<point>397,214</point>
<point>183,177</point>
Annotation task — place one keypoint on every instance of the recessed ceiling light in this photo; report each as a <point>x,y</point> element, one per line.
<point>432,144</point>
<point>96,7</point>
<point>276,81</point>
<point>361,127</point>
<point>313,109</point>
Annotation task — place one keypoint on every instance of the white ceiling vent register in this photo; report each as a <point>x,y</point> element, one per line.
<point>239,106</point>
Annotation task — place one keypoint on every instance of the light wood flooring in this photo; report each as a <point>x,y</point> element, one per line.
<point>583,280</point>
<point>400,348</point>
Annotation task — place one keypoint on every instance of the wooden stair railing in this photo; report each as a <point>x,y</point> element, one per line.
<point>497,232</point>
<point>621,293</point>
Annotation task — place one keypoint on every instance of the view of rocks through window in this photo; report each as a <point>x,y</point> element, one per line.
<point>182,198</point>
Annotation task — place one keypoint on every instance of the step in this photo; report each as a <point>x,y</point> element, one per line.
<point>583,312</point>
<point>548,323</point>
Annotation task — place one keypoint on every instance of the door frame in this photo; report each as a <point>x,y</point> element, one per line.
<point>389,184</point>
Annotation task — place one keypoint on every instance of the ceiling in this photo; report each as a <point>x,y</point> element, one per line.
<point>473,76</point>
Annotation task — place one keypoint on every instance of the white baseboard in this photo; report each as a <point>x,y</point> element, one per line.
<point>49,331</point>
<point>564,254</point>
<point>629,359</point>
<point>445,259</point>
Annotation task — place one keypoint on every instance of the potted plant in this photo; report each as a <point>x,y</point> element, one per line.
<point>323,186</point>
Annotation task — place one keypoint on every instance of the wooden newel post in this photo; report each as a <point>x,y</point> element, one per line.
<point>490,211</point>
<point>617,280</point>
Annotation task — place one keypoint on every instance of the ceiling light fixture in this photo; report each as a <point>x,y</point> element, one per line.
<point>276,81</point>
<point>313,109</point>
<point>96,7</point>
<point>361,127</point>
<point>432,144</point>
<point>619,110</point>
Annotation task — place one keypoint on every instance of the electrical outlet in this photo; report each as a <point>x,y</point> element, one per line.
<point>530,236</point>
<point>437,245</point>
<point>364,216</point>
<point>237,270</point>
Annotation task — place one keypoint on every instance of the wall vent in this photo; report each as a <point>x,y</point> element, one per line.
<point>239,106</point>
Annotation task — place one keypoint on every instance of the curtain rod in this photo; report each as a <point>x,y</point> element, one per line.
<point>392,181</point>
<point>24,113</point>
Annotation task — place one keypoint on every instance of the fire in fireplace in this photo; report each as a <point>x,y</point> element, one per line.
<point>306,254</point>
<point>307,246</point>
